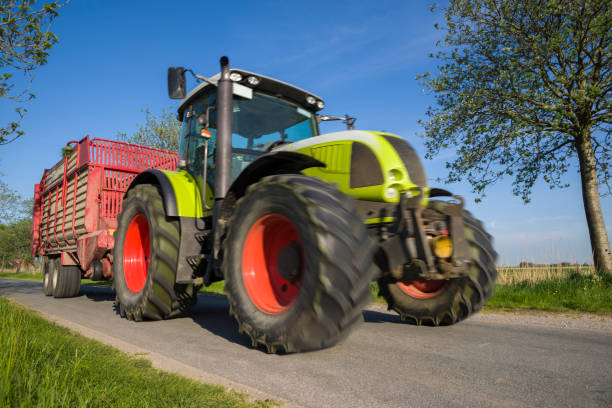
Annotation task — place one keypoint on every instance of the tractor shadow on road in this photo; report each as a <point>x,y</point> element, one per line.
<point>372,316</point>
<point>212,314</point>
<point>98,293</point>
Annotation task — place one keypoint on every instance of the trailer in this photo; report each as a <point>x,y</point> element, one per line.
<point>76,205</point>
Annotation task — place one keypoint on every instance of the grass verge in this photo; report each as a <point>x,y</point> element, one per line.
<point>572,293</point>
<point>32,276</point>
<point>44,365</point>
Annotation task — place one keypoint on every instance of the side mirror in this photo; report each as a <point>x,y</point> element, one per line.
<point>176,82</point>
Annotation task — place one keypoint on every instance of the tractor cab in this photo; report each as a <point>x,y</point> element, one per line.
<point>265,113</point>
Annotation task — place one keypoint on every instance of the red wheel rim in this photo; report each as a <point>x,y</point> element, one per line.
<point>136,252</point>
<point>272,281</point>
<point>423,289</point>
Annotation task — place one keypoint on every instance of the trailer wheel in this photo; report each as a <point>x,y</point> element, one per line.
<point>298,264</point>
<point>66,280</point>
<point>145,259</point>
<point>48,265</point>
<point>445,302</point>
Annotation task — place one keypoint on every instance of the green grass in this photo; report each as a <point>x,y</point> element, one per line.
<point>215,287</point>
<point>572,293</point>
<point>39,277</point>
<point>33,276</point>
<point>44,365</point>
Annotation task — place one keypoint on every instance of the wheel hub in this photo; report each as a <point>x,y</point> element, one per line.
<point>136,253</point>
<point>289,261</point>
<point>272,267</point>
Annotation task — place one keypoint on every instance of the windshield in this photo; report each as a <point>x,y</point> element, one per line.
<point>258,125</point>
<point>259,122</point>
<point>264,122</point>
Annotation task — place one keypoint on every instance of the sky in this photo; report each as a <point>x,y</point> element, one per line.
<point>361,57</point>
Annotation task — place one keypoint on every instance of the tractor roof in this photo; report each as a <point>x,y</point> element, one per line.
<point>266,85</point>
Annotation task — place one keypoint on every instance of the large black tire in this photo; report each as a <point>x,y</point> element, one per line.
<point>153,295</point>
<point>325,281</point>
<point>66,280</point>
<point>48,265</point>
<point>456,299</point>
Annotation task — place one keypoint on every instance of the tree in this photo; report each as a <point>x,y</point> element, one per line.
<point>15,242</point>
<point>24,41</point>
<point>523,90</point>
<point>160,131</point>
<point>12,206</point>
<point>15,226</point>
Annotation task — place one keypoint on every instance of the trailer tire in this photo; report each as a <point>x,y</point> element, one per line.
<point>298,264</point>
<point>145,259</point>
<point>67,280</point>
<point>448,302</point>
<point>48,264</point>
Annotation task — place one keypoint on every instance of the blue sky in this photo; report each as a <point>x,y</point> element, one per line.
<point>361,57</point>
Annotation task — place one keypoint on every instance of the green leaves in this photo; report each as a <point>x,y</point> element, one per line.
<point>520,82</point>
<point>161,131</point>
<point>12,206</point>
<point>24,41</point>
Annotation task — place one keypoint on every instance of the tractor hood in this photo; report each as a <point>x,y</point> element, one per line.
<point>374,166</point>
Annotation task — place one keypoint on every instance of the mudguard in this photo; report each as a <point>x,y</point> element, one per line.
<point>180,191</point>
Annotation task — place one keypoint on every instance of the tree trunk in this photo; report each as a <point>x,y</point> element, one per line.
<point>592,207</point>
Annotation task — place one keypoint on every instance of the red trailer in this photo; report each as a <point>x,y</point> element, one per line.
<point>76,206</point>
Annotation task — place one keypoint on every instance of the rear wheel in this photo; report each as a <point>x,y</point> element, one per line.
<point>444,302</point>
<point>145,259</point>
<point>48,265</point>
<point>298,264</point>
<point>66,280</point>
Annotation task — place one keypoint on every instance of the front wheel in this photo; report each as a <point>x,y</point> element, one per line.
<point>145,259</point>
<point>444,302</point>
<point>297,264</point>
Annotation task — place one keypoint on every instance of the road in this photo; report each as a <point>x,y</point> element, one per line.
<point>486,361</point>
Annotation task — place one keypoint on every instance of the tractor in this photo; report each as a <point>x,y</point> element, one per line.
<point>297,223</point>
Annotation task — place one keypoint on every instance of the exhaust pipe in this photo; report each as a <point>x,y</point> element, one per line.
<point>223,163</point>
<point>223,153</point>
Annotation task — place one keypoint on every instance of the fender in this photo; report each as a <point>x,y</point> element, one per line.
<point>157,177</point>
<point>180,191</point>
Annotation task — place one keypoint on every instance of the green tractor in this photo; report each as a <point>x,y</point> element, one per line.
<point>298,224</point>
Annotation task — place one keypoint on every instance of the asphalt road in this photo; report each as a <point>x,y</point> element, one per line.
<point>482,362</point>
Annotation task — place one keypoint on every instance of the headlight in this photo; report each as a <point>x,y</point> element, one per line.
<point>310,100</point>
<point>236,77</point>
<point>394,175</point>
<point>253,80</point>
<point>391,193</point>
<point>320,104</point>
